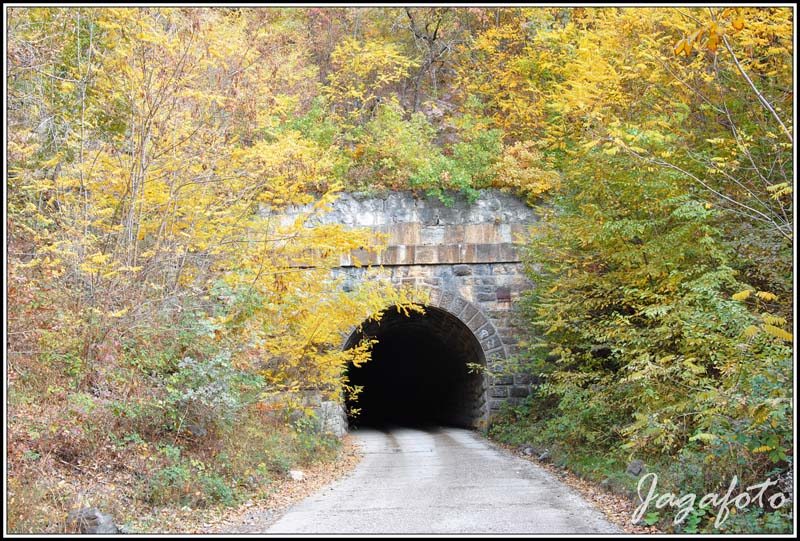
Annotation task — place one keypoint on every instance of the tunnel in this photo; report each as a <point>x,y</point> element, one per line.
<point>418,374</point>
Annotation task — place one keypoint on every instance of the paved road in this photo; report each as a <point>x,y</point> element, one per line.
<point>441,480</point>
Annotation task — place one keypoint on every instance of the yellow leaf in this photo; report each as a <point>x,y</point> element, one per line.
<point>742,295</point>
<point>712,42</point>
<point>738,23</point>
<point>766,295</point>
<point>769,319</point>
<point>703,436</point>
<point>99,259</point>
<point>591,144</point>
<point>751,331</point>
<point>778,332</point>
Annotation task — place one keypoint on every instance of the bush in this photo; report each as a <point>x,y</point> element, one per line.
<point>187,481</point>
<point>647,342</point>
<point>208,395</point>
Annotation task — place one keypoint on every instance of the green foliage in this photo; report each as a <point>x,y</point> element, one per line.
<point>209,393</point>
<point>465,166</point>
<point>187,481</point>
<point>147,297</point>
<point>390,149</point>
<point>315,124</point>
<point>642,343</point>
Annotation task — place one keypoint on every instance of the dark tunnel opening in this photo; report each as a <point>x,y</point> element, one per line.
<point>418,374</point>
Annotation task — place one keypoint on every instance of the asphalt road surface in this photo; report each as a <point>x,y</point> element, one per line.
<point>442,480</point>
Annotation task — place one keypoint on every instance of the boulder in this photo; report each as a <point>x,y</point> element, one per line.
<point>635,468</point>
<point>90,520</point>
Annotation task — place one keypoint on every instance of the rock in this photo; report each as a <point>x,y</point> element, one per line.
<point>635,468</point>
<point>527,451</point>
<point>197,430</point>
<point>545,457</point>
<point>296,475</point>
<point>90,520</point>
<point>331,418</point>
<point>462,270</point>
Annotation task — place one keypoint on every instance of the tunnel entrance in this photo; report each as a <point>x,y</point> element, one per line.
<point>419,373</point>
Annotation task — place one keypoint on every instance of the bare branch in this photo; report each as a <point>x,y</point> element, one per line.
<point>754,214</point>
<point>761,98</point>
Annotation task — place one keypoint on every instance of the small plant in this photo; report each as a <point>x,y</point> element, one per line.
<point>652,518</point>
<point>208,394</point>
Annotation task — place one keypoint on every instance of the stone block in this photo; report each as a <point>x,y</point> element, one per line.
<point>520,391</point>
<point>432,235</point>
<point>364,257</point>
<point>486,297</point>
<point>425,255</point>
<point>507,252</point>
<point>454,234</point>
<point>495,405</point>
<point>501,380</point>
<point>469,313</point>
<point>419,271</point>
<point>409,254</point>
<point>462,270</point>
<point>485,331</point>
<point>448,253</point>
<point>446,299</point>
<point>498,391</point>
<point>477,322</point>
<point>487,253</point>
<point>469,253</point>
<point>403,233</point>
<point>435,297</point>
<point>457,306</point>
<point>491,343</point>
<point>331,418</point>
<point>496,354</point>
<point>481,233</point>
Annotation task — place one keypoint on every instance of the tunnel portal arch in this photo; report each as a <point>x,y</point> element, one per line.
<point>420,371</point>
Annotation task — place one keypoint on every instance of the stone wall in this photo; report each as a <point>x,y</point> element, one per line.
<point>467,250</point>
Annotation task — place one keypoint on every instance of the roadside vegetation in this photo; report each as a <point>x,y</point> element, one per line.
<point>166,327</point>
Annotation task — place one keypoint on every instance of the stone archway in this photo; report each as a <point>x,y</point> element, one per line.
<point>426,367</point>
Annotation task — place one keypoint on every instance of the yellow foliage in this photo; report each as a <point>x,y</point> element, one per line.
<point>742,295</point>
<point>766,295</point>
<point>751,331</point>
<point>522,167</point>
<point>778,332</point>
<point>364,72</point>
